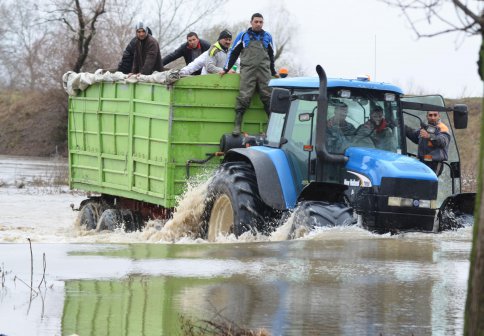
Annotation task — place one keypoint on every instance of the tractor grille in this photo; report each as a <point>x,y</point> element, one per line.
<point>409,188</point>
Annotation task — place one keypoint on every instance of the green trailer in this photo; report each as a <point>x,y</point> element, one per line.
<point>133,145</point>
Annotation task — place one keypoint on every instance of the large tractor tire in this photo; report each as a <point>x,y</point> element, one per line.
<point>314,214</point>
<point>233,203</point>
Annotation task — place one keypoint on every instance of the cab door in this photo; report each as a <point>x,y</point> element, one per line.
<point>449,180</point>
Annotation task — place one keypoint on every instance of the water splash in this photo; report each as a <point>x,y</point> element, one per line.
<point>188,216</point>
<point>284,231</point>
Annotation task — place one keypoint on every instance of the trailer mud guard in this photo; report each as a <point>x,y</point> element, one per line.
<point>277,195</point>
<point>456,211</point>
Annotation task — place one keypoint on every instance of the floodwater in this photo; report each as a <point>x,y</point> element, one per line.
<point>342,281</point>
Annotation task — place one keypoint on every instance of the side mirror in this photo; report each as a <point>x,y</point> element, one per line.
<point>280,101</point>
<point>460,116</point>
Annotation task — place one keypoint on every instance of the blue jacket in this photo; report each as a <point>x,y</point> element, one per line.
<point>242,41</point>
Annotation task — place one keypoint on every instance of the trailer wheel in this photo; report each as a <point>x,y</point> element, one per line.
<point>233,203</point>
<point>110,219</point>
<point>313,214</point>
<point>132,220</point>
<point>89,215</point>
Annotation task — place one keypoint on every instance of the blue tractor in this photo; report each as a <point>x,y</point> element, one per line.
<point>326,178</point>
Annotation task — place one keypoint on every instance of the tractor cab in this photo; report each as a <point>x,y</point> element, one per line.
<point>348,137</point>
<point>348,124</point>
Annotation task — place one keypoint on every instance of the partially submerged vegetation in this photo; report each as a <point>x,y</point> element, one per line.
<point>217,326</point>
<point>52,177</point>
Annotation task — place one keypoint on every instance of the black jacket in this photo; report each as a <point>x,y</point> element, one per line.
<point>186,52</point>
<point>126,63</point>
<point>147,57</point>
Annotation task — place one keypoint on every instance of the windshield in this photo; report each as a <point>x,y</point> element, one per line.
<point>362,119</point>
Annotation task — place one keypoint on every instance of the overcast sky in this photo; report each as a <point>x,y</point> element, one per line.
<point>341,35</point>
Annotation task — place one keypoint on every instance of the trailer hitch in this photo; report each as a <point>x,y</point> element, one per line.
<point>209,157</point>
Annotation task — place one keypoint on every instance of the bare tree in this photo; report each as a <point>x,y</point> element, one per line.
<point>173,19</point>
<point>468,19</point>
<point>81,22</point>
<point>424,15</point>
<point>22,41</point>
<point>211,33</point>
<point>281,26</point>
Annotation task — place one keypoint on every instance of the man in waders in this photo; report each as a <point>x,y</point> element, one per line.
<point>256,52</point>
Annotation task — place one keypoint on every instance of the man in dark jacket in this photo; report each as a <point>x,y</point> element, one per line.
<point>190,50</point>
<point>126,63</point>
<point>147,57</point>
<point>256,51</point>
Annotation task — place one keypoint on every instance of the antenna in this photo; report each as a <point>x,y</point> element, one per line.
<point>374,65</point>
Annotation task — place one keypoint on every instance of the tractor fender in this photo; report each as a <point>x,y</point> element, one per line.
<point>274,178</point>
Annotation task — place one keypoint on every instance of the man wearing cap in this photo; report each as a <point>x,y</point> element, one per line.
<point>190,50</point>
<point>212,60</point>
<point>256,51</point>
<point>217,54</point>
<point>338,121</point>
<point>147,57</point>
<point>433,141</point>
<point>126,63</point>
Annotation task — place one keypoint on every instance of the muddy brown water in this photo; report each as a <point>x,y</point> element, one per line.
<point>343,281</point>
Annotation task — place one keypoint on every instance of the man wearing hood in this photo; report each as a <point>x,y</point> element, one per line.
<point>433,141</point>
<point>126,63</point>
<point>147,57</point>
<point>256,51</point>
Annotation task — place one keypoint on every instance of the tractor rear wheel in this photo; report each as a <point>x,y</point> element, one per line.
<point>233,202</point>
<point>313,214</point>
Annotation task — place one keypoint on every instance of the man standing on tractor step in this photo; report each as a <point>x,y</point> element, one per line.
<point>433,141</point>
<point>256,51</point>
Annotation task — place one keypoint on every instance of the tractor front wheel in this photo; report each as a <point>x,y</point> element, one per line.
<point>314,214</point>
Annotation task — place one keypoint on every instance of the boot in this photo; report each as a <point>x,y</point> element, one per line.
<point>238,123</point>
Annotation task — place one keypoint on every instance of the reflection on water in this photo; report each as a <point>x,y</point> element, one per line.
<point>371,286</point>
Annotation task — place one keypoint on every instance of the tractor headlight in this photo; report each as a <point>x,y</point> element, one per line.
<point>428,204</point>
<point>409,202</point>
